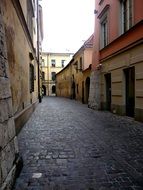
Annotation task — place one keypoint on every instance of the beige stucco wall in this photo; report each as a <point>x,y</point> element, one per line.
<point>18,58</point>
<point>116,66</point>
<point>81,76</point>
<point>64,82</point>
<point>72,75</point>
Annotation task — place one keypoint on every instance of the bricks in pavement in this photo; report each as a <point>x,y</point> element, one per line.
<point>67,146</point>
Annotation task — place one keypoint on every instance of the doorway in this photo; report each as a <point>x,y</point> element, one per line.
<point>130,91</point>
<point>108,91</point>
<point>83,92</point>
<point>53,89</point>
<point>73,90</point>
<point>87,87</point>
<point>43,90</point>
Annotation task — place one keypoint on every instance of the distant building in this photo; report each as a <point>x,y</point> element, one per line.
<point>52,63</point>
<point>117,66</point>
<point>74,80</point>
<point>19,90</point>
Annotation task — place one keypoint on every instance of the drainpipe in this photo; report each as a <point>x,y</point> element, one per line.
<point>38,57</point>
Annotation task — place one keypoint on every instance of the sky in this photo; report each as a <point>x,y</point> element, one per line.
<point>67,24</point>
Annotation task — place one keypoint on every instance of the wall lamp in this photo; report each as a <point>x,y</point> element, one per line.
<point>99,66</point>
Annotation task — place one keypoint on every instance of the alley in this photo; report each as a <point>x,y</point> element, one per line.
<point>67,146</point>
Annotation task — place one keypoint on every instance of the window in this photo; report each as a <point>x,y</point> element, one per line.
<point>43,62</point>
<point>53,89</point>
<point>35,70</point>
<point>63,63</point>
<point>76,66</point>
<point>104,33</point>
<point>126,14</point>
<point>53,76</point>
<point>104,26</point>
<point>53,62</point>
<point>81,63</point>
<point>31,78</point>
<point>43,75</point>
<point>77,88</point>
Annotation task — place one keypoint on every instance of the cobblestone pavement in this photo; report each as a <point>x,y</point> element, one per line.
<point>67,146</point>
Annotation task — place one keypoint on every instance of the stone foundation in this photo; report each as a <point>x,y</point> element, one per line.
<point>9,154</point>
<point>94,94</point>
<point>23,116</point>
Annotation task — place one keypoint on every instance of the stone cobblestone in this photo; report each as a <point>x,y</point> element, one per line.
<point>67,146</point>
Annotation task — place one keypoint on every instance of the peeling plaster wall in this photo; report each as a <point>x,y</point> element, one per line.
<point>8,139</point>
<point>18,50</point>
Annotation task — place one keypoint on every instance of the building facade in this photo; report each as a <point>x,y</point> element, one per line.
<point>74,80</point>
<point>117,77</point>
<point>18,79</point>
<point>52,63</point>
<point>64,81</point>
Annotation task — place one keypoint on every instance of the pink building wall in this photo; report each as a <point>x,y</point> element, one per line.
<point>114,24</point>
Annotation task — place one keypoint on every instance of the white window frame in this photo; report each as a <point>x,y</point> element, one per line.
<point>129,15</point>
<point>53,63</point>
<point>63,63</point>
<point>104,38</point>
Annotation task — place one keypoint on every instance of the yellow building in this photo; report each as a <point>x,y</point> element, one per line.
<point>74,80</point>
<point>64,81</point>
<point>52,63</point>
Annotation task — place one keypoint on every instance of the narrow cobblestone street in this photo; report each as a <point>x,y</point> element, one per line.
<point>67,146</point>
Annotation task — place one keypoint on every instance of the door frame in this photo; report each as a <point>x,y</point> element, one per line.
<point>129,74</point>
<point>108,86</point>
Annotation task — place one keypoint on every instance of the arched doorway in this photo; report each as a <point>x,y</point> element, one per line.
<point>43,90</point>
<point>73,91</point>
<point>87,86</point>
<point>83,92</point>
<point>53,89</point>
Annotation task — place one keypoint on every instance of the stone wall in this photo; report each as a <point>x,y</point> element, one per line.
<point>8,141</point>
<point>21,55</point>
<point>94,93</point>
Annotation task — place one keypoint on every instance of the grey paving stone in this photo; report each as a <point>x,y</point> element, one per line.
<point>67,146</point>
